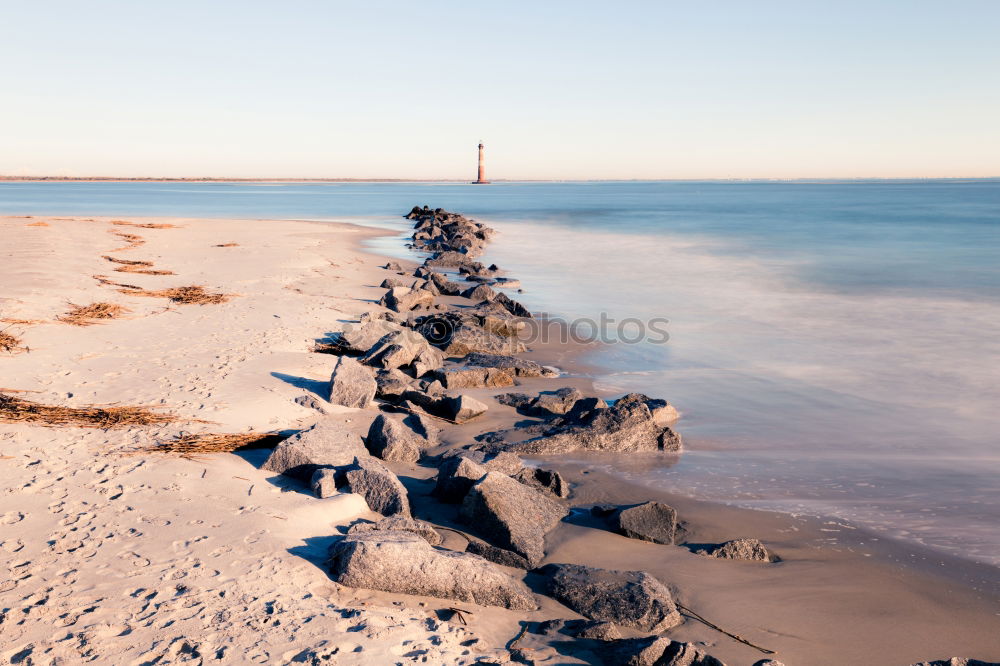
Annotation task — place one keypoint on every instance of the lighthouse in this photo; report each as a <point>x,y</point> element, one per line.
<point>482,169</point>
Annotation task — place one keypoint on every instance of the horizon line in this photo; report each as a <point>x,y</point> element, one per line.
<point>217,179</point>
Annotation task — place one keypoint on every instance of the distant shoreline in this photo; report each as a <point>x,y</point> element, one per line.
<point>460,181</point>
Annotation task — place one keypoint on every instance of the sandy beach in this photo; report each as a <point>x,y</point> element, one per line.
<point>115,553</point>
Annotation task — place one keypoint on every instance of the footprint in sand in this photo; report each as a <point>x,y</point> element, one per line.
<point>11,517</point>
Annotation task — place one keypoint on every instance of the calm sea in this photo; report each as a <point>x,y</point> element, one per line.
<point>834,346</point>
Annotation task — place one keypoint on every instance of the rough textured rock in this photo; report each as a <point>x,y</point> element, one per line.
<point>359,339</point>
<point>404,563</point>
<point>511,515</point>
<point>772,662</point>
<point>628,598</point>
<point>402,348</point>
<point>655,651</point>
<point>405,299</point>
<point>391,384</point>
<point>421,528</point>
<point>739,549</point>
<point>393,266</point>
<point>456,377</point>
<point>626,426</point>
<point>546,480</point>
<point>496,555</point>
<point>378,485</point>
<point>522,367</point>
<point>480,292</point>
<point>351,384</point>
<point>590,629</point>
<point>423,425</point>
<point>652,521</point>
<point>515,400</point>
<point>462,408</point>
<point>324,482</point>
<point>510,305</point>
<point>389,439</point>
<point>556,402</point>
<point>455,477</point>
<point>325,444</point>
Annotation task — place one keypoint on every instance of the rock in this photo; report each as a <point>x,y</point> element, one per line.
<point>739,549</point>
<point>391,383</point>
<point>496,555</point>
<point>359,339</point>
<point>655,651</point>
<point>421,528</point>
<point>474,377</point>
<point>772,662</point>
<point>392,266</point>
<point>584,409</point>
<point>546,480</point>
<point>405,299</point>
<point>402,348</point>
<point>447,260</point>
<point>511,515</point>
<point>462,408</point>
<point>324,482</point>
<point>351,384</point>
<point>389,439</point>
<point>557,402</point>
<point>389,283</point>
<point>325,444</point>
<point>662,411</point>
<point>480,292</point>
<point>423,425</point>
<point>404,563</point>
<point>455,477</point>
<point>378,485</point>
<point>652,521</point>
<point>628,598</point>
<point>590,629</point>
<point>444,285</point>
<point>515,400</point>
<point>511,305</point>
<point>467,339</point>
<point>626,426</point>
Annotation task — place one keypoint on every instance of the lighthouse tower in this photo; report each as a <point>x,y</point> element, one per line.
<point>482,169</point>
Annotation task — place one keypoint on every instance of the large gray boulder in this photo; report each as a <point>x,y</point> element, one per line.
<point>381,488</point>
<point>522,367</point>
<point>405,299</point>
<point>351,384</point>
<point>403,348</point>
<point>626,426</point>
<point>650,521</point>
<point>474,377</point>
<point>502,556</point>
<point>556,402</point>
<point>545,480</point>
<point>392,384</point>
<point>462,408</point>
<point>404,563</point>
<point>511,515</point>
<point>457,473</point>
<point>360,338</point>
<point>389,439</point>
<point>628,598</point>
<point>421,528</point>
<point>325,444</point>
<point>655,651</point>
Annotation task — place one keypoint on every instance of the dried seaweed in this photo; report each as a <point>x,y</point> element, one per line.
<point>19,410</point>
<point>87,315</point>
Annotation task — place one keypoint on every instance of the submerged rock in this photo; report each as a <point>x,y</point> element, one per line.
<point>628,598</point>
<point>403,562</point>
<point>325,444</point>
<point>651,521</point>
<point>511,515</point>
<point>739,549</point>
<point>351,384</point>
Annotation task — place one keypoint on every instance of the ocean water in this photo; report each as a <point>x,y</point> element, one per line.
<point>834,347</point>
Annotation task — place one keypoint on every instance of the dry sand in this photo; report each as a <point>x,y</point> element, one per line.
<point>113,557</point>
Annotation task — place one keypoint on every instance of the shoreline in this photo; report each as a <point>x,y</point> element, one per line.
<point>578,538</point>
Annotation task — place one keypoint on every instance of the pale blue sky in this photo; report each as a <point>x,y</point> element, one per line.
<point>556,89</point>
